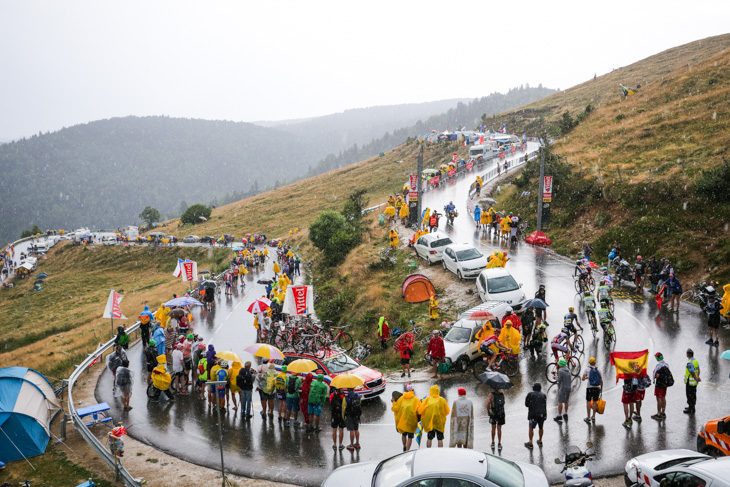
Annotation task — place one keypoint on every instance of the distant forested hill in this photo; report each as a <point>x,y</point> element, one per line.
<point>102,174</point>
<point>464,114</point>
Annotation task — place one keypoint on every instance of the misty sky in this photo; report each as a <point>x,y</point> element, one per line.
<point>69,62</point>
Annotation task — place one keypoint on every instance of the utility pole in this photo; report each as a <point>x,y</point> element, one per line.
<point>419,169</point>
<point>542,188</point>
<point>220,426</point>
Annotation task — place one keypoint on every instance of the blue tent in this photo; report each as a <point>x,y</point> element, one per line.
<point>27,406</point>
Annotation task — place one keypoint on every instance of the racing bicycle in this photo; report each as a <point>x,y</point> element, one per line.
<point>551,371</point>
<point>592,320</point>
<point>505,362</point>
<point>609,336</point>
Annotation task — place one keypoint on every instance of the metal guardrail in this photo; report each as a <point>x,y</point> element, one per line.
<point>90,438</point>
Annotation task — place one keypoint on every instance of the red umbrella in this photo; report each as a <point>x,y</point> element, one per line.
<point>243,240</point>
<point>259,306</point>
<point>481,315</point>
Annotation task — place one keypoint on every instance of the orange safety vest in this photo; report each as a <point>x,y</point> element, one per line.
<point>433,221</point>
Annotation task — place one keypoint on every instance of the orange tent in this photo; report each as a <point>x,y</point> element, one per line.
<point>417,288</point>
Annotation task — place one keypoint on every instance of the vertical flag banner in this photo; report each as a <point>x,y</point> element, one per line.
<point>299,300</point>
<point>189,270</point>
<point>454,158</point>
<point>112,309</point>
<point>178,268</point>
<point>547,194</point>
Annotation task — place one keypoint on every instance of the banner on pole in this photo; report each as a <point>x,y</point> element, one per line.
<point>298,301</point>
<point>413,182</point>
<point>547,193</point>
<point>112,309</point>
<point>454,158</point>
<point>189,270</point>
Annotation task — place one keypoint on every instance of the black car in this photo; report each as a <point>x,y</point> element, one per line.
<point>228,237</point>
<point>207,239</point>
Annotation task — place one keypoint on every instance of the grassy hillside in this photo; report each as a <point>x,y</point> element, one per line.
<point>649,170</point>
<point>53,329</point>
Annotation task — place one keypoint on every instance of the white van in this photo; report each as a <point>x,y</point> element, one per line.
<point>461,344</point>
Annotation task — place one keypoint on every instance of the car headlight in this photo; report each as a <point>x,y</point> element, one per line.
<point>359,388</point>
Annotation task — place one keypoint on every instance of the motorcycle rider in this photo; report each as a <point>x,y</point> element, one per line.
<point>450,211</point>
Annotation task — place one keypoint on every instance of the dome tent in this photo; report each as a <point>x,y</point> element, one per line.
<point>27,406</point>
<point>417,288</point>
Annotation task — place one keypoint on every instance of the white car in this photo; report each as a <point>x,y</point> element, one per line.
<point>460,343</point>
<point>191,239</point>
<point>677,468</point>
<point>464,260</point>
<point>497,284</point>
<point>431,246</point>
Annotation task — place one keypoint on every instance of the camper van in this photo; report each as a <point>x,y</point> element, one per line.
<point>485,151</point>
<point>130,232</point>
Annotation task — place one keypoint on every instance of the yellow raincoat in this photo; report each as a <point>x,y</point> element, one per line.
<point>405,409</point>
<point>277,269</point>
<point>426,217</point>
<point>232,374</point>
<point>433,308</point>
<point>499,259</point>
<point>504,225</point>
<point>479,179</point>
<point>485,218</point>
<point>266,251</point>
<point>398,203</point>
<point>510,337</point>
<point>390,211</point>
<point>433,411</point>
<point>160,378</point>
<point>403,213</point>
<point>161,315</point>
<point>486,331</point>
<point>490,214</point>
<point>289,254</point>
<point>394,239</point>
<point>725,303</point>
<point>419,234</point>
<point>280,244</point>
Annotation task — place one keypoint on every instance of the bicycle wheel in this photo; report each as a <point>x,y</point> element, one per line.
<point>510,366</point>
<point>611,305</point>
<point>574,366</point>
<point>479,366</point>
<point>579,344</point>
<point>551,372</point>
<point>320,347</point>
<point>417,330</point>
<point>688,295</point>
<point>591,283</point>
<point>594,326</point>
<point>345,341</point>
<point>609,337</point>
<point>578,286</point>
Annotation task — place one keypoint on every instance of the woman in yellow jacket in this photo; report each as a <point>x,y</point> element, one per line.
<point>433,309</point>
<point>504,224</point>
<point>406,416</point>
<point>277,269</point>
<point>433,411</point>
<point>232,386</point>
<point>403,213</point>
<point>725,303</point>
<point>393,238</point>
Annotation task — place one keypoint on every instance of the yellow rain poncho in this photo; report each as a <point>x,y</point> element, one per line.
<point>232,374</point>
<point>277,269</point>
<point>394,239</point>
<point>433,411</point>
<point>433,308</point>
<point>725,303</point>
<point>161,315</point>
<point>485,218</point>
<point>510,337</point>
<point>405,410</point>
<point>266,251</point>
<point>490,214</point>
<point>419,234</point>
<point>390,211</point>
<point>403,213</point>
<point>398,203</point>
<point>160,378</point>
<point>280,244</point>
<point>290,254</point>
<point>426,217</point>
<point>485,332</point>
<point>504,225</point>
<point>479,179</point>
<point>499,259</point>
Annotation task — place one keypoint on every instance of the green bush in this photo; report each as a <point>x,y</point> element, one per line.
<point>602,219</point>
<point>334,236</point>
<point>193,213</point>
<point>713,183</point>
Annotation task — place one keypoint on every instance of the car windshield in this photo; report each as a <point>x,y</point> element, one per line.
<point>502,284</point>
<point>442,242</point>
<point>468,254</point>
<point>340,363</point>
<point>504,472</point>
<point>458,335</point>
<point>394,470</point>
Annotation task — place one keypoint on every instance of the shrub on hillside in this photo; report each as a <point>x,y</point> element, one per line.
<point>193,213</point>
<point>602,219</point>
<point>713,183</point>
<point>334,236</point>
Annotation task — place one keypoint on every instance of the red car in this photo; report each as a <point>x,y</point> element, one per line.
<point>335,363</point>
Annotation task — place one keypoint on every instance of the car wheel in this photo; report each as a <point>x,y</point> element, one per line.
<point>458,274</point>
<point>443,263</point>
<point>462,365</point>
<point>628,481</point>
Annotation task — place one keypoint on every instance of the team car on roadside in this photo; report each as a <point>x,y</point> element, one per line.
<point>677,468</point>
<point>464,260</point>
<point>497,284</point>
<point>431,246</point>
<point>335,363</point>
<point>714,437</point>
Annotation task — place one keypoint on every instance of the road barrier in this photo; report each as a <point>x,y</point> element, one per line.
<point>94,443</point>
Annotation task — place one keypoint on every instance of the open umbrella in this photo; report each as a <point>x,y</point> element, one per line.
<point>177,313</point>
<point>430,171</point>
<point>203,272</point>
<point>264,350</point>
<point>203,218</point>
<point>349,381</point>
<point>725,355</point>
<point>495,380</point>
<point>183,301</point>
<point>302,366</point>
<point>264,281</point>
<point>536,303</point>
<point>244,240</point>
<point>481,315</point>
<point>487,201</point>
<point>230,356</point>
<point>259,306</point>
<point>237,249</point>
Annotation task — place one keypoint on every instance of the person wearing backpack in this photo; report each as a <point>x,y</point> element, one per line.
<point>627,399</point>
<point>244,381</point>
<point>293,393</point>
<point>304,398</point>
<point>337,420</point>
<point>433,411</point>
<point>593,389</point>
<point>266,385</point>
<point>495,410</point>
<point>281,392</point>
<point>662,379</point>
<point>124,383</point>
<point>352,412</point>
<point>317,396</point>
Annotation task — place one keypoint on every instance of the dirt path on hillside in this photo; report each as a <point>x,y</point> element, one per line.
<point>154,466</point>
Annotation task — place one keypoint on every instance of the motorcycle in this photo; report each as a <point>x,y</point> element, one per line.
<point>577,474</point>
<point>623,271</point>
<point>450,215</point>
<point>702,293</point>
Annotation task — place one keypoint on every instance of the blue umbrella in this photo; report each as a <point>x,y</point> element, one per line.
<point>725,355</point>
<point>535,303</point>
<point>183,301</point>
<point>237,249</point>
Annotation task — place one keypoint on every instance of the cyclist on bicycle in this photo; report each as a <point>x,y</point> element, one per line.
<point>605,317</point>
<point>604,294</point>
<point>589,302</point>
<point>582,270</point>
<point>489,345</point>
<point>561,343</point>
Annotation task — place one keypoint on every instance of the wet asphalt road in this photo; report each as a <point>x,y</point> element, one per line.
<point>268,450</point>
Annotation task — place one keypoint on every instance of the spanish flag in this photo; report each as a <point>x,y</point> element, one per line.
<point>630,365</point>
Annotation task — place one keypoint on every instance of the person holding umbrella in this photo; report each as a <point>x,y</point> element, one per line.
<point>540,312</point>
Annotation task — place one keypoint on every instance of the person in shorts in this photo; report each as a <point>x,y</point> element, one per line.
<point>495,410</point>
<point>713,320</point>
<point>337,419</point>
<point>593,389</point>
<point>281,392</point>
<point>405,358</point>
<point>660,387</point>
<point>266,396</point>
<point>627,399</point>
<point>352,419</point>
<point>536,404</point>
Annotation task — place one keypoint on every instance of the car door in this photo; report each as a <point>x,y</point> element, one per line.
<point>482,287</point>
<point>473,351</point>
<point>422,248</point>
<point>450,260</point>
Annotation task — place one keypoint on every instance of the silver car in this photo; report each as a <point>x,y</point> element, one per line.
<point>439,467</point>
<point>677,468</point>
